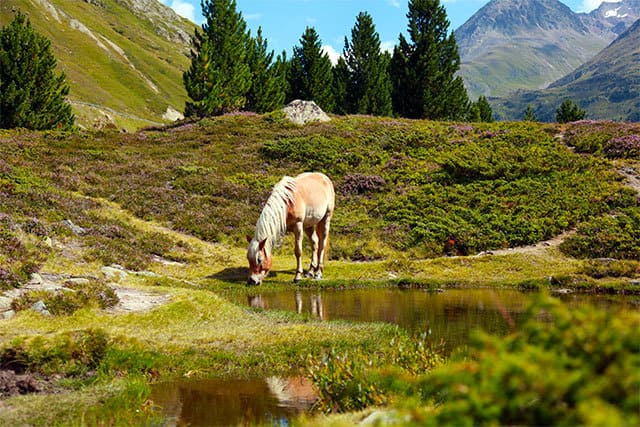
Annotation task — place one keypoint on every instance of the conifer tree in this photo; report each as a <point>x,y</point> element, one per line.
<point>32,95</point>
<point>310,75</point>
<point>423,69</point>
<point>361,79</point>
<point>219,77</point>
<point>529,115</point>
<point>267,89</point>
<point>569,112</point>
<point>484,109</point>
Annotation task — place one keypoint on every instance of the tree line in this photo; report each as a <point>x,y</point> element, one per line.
<point>233,70</point>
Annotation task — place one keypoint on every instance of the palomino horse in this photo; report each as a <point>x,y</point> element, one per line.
<point>304,203</point>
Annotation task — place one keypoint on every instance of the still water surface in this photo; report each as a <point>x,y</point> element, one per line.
<point>448,316</point>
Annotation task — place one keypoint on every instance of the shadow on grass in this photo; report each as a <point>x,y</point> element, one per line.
<point>240,274</point>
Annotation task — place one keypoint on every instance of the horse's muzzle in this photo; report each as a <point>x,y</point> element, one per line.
<point>253,282</point>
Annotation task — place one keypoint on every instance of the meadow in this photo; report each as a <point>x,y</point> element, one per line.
<point>424,203</point>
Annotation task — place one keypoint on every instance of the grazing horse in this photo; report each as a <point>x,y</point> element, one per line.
<point>304,203</point>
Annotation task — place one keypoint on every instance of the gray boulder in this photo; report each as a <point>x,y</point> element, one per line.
<point>302,112</point>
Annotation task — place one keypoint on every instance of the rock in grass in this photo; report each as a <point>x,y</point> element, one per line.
<point>302,112</point>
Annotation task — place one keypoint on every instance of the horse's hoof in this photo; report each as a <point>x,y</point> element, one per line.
<point>297,278</point>
<point>308,274</point>
<point>318,275</point>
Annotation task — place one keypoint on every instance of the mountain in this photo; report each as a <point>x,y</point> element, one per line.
<point>123,59</point>
<point>617,16</point>
<point>527,44</point>
<point>607,86</point>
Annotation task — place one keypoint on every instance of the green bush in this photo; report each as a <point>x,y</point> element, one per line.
<point>563,367</point>
<point>71,353</point>
<point>353,380</point>
<point>610,236</point>
<point>65,302</point>
<point>608,267</point>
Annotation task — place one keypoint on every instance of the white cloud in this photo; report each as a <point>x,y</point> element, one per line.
<point>387,46</point>
<point>394,3</point>
<point>182,8</point>
<point>589,5</point>
<point>333,54</point>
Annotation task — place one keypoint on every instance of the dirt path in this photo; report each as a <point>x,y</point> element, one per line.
<point>535,249</point>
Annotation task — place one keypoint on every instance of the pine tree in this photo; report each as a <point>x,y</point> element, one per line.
<point>219,78</point>
<point>529,115</point>
<point>569,112</point>
<point>310,73</point>
<point>267,89</point>
<point>485,113</point>
<point>32,95</point>
<point>363,85</point>
<point>423,70</point>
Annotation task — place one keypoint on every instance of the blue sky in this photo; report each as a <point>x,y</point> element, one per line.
<point>284,21</point>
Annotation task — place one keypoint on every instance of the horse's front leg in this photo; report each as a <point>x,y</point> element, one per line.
<point>297,233</point>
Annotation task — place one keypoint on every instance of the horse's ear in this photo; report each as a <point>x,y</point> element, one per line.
<point>248,238</point>
<point>261,244</point>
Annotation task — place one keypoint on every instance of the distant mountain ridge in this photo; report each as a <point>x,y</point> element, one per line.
<point>527,44</point>
<point>607,86</point>
<point>123,59</point>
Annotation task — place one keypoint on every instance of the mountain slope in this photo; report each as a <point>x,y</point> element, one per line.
<point>607,86</point>
<point>527,44</point>
<point>123,58</point>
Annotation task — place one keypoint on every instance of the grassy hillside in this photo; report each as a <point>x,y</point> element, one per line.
<point>124,69</point>
<point>404,187</point>
<point>171,207</point>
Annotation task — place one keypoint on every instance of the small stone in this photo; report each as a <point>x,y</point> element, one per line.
<point>76,229</point>
<point>8,314</point>
<point>114,272</point>
<point>41,308</point>
<point>36,279</point>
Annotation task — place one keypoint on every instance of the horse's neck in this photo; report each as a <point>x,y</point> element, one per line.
<point>272,224</point>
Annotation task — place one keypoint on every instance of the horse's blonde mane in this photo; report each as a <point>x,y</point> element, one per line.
<point>272,223</point>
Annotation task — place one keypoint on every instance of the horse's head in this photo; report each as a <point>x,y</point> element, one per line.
<point>259,261</point>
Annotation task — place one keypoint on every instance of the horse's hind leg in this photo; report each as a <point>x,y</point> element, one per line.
<point>313,238</point>
<point>323,240</point>
<point>297,233</point>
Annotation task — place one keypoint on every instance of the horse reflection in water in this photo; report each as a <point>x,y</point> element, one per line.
<point>317,309</point>
<point>315,304</point>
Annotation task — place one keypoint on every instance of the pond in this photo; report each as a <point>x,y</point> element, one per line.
<point>449,316</point>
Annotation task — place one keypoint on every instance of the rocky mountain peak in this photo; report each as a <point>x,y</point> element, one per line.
<point>164,20</point>
<point>617,16</point>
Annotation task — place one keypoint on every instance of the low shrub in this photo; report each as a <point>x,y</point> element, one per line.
<point>70,353</point>
<point>607,267</point>
<point>74,297</point>
<point>353,380</point>
<point>611,236</point>
<point>563,367</point>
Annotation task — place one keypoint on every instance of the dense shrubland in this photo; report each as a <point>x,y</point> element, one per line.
<point>402,185</point>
